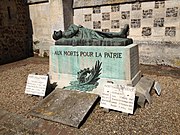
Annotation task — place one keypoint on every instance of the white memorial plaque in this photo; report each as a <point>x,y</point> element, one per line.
<point>118,97</point>
<point>36,84</point>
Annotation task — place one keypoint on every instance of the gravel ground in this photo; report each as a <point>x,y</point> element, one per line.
<point>160,117</point>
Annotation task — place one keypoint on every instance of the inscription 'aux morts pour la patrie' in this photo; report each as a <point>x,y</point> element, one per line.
<point>89,54</point>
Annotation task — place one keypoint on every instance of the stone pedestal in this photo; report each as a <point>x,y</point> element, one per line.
<point>120,64</point>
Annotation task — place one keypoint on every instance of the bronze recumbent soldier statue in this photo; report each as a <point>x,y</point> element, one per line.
<point>81,36</point>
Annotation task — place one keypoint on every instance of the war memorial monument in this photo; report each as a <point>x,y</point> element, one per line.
<point>84,59</point>
<point>88,64</point>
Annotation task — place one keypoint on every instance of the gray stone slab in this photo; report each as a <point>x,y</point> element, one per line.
<point>141,100</point>
<point>157,88</point>
<point>143,88</point>
<point>65,106</point>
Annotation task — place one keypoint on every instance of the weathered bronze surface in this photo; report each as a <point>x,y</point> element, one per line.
<point>81,36</point>
<point>65,106</point>
<point>86,78</point>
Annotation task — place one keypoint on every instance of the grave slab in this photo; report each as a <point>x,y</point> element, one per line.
<point>143,88</point>
<point>65,106</point>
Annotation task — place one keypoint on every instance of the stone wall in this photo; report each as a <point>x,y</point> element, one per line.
<point>47,17</point>
<point>90,3</point>
<point>154,25</point>
<point>15,31</point>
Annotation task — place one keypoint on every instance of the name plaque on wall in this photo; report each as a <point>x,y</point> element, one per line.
<point>118,97</point>
<point>36,84</point>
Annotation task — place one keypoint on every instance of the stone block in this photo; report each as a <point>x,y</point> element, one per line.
<point>88,24</point>
<point>96,17</point>
<point>135,32</point>
<point>120,64</point>
<point>123,22</point>
<point>114,15</point>
<point>106,24</point>
<point>148,22</point>
<point>147,5</point>
<point>87,10</point>
<point>78,13</point>
<point>172,3</point>
<point>171,21</point>
<point>143,88</point>
<point>125,7</point>
<point>136,14</point>
<point>159,13</point>
<point>105,9</point>
<point>158,32</point>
